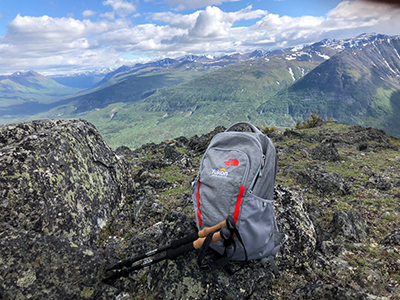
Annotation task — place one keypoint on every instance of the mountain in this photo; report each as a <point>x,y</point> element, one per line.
<point>355,81</point>
<point>133,83</point>
<point>360,85</point>
<point>82,80</point>
<point>230,88</point>
<point>24,93</point>
<point>221,96</point>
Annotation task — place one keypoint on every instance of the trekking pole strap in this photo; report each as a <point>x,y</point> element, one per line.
<point>224,234</point>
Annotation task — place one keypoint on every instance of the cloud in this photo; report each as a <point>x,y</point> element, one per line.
<point>211,23</point>
<point>109,15</point>
<point>88,13</point>
<point>121,7</point>
<point>176,20</point>
<point>45,42</point>
<point>193,4</point>
<point>38,30</point>
<point>48,43</point>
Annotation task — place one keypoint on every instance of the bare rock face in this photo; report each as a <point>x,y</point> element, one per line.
<point>59,185</point>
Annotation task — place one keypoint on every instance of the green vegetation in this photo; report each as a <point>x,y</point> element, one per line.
<point>314,120</point>
<point>220,97</point>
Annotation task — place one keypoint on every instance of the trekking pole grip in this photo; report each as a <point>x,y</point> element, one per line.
<point>206,231</point>
<point>174,253</point>
<point>215,238</point>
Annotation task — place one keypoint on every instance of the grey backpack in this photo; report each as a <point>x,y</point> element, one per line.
<point>236,179</point>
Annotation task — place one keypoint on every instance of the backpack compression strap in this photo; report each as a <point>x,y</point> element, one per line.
<point>279,240</point>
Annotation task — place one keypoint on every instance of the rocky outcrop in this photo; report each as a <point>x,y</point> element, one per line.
<point>71,207</point>
<point>60,178</point>
<point>60,184</point>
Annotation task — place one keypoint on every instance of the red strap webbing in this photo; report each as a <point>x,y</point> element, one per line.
<point>238,203</point>
<point>198,202</point>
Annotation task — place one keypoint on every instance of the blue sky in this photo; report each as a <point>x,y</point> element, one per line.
<point>58,36</point>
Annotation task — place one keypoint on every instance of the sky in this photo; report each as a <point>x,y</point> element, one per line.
<point>68,36</point>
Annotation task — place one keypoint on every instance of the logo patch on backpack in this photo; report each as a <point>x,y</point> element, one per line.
<point>232,162</point>
<point>219,173</point>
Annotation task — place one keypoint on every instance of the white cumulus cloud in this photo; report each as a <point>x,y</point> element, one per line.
<point>193,4</point>
<point>88,13</point>
<point>44,43</point>
<point>121,7</point>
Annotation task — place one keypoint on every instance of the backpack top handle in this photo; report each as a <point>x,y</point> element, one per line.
<point>254,128</point>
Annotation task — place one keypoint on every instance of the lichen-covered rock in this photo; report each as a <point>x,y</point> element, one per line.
<point>321,181</point>
<point>363,139</point>
<point>332,292</point>
<point>200,144</point>
<point>325,152</point>
<point>59,185</point>
<point>293,220</point>
<point>379,182</point>
<point>51,245</point>
<point>58,177</point>
<point>183,279</point>
<point>392,239</point>
<point>39,266</point>
<point>349,225</point>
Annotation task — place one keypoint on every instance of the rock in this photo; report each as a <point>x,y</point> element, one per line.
<point>349,225</point>
<point>182,278</point>
<point>363,139</point>
<point>331,292</point>
<point>123,151</point>
<point>38,266</point>
<point>315,213</point>
<point>379,182</point>
<point>81,208</point>
<point>60,184</point>
<point>293,220</point>
<point>325,152</point>
<point>59,178</point>
<point>200,144</point>
<point>321,181</point>
<point>171,153</point>
<point>392,239</point>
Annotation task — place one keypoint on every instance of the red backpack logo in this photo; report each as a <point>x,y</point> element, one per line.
<point>232,162</point>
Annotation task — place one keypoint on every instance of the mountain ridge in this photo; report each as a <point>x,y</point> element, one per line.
<point>276,97</point>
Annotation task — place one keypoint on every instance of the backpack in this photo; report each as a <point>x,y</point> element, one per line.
<point>236,179</point>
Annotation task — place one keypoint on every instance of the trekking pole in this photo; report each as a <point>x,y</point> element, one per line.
<point>173,245</point>
<point>172,253</point>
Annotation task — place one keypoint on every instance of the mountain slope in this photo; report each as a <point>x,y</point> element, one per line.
<point>22,87</point>
<point>354,81</point>
<point>359,85</point>
<point>222,96</point>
